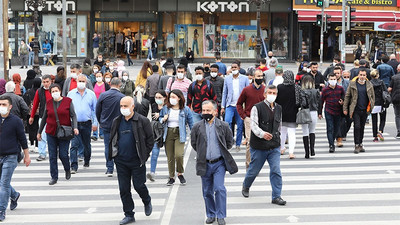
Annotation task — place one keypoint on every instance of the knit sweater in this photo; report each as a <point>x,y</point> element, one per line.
<point>12,135</point>
<point>249,97</point>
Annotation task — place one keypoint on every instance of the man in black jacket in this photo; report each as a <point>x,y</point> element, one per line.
<point>319,80</point>
<point>394,89</point>
<point>12,138</point>
<point>130,146</point>
<point>265,144</point>
<point>211,138</point>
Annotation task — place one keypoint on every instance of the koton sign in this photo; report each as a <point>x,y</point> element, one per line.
<point>222,6</point>
<point>53,5</point>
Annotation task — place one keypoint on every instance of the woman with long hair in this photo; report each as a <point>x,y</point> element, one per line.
<point>313,101</point>
<point>19,89</point>
<point>142,105</point>
<point>61,77</point>
<point>175,116</point>
<point>379,88</point>
<point>160,100</point>
<point>145,72</point>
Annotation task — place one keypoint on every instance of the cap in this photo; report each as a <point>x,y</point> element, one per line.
<point>279,70</point>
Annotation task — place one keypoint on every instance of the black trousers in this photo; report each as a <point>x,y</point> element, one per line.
<point>382,122</point>
<point>345,125</point>
<point>119,48</point>
<point>33,130</point>
<point>130,171</point>
<point>359,117</point>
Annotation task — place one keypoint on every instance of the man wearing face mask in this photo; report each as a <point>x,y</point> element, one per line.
<point>218,84</point>
<point>130,148</point>
<point>207,70</point>
<point>269,58</point>
<point>199,91</point>
<point>233,86</point>
<point>84,101</point>
<point>358,103</point>
<point>12,138</point>
<point>179,81</point>
<point>71,82</point>
<point>251,95</point>
<point>213,159</point>
<point>265,144</point>
<point>336,63</point>
<point>332,96</point>
<point>345,121</point>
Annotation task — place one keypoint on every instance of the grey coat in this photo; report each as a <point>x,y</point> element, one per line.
<point>19,106</point>
<point>199,144</point>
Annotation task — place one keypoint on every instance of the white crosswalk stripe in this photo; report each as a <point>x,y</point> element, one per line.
<point>335,189</point>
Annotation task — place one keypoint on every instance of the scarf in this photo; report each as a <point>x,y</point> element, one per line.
<point>288,80</point>
<point>2,86</point>
<point>17,80</point>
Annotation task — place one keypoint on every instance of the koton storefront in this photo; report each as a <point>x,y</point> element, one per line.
<point>377,23</point>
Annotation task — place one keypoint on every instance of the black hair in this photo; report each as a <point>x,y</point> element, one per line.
<point>154,68</point>
<point>263,61</point>
<point>313,64</point>
<point>214,66</point>
<point>331,75</point>
<point>180,66</point>
<point>8,98</point>
<point>199,68</point>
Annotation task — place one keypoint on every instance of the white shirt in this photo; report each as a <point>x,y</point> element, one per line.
<point>236,90</point>
<point>173,118</point>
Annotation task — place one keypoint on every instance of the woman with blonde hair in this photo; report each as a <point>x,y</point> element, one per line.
<point>142,105</point>
<point>379,89</point>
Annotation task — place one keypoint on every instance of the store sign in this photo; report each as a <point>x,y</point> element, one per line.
<point>353,2</point>
<point>222,6</point>
<point>53,6</point>
<point>387,26</point>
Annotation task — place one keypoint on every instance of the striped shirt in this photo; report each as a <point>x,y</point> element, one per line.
<point>182,85</point>
<point>331,97</point>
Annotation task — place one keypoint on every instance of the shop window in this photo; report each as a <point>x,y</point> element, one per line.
<point>280,34</point>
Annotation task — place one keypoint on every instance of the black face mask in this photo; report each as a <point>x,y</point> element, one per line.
<point>270,56</point>
<point>258,81</point>
<point>206,69</point>
<point>207,117</point>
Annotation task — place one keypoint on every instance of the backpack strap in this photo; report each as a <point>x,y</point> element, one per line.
<point>172,82</point>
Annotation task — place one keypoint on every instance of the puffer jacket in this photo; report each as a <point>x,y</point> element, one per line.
<point>350,101</point>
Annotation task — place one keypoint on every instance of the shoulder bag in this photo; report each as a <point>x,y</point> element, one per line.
<point>63,132</point>
<point>303,116</point>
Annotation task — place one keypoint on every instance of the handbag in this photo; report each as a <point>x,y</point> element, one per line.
<point>63,132</point>
<point>387,99</point>
<point>303,116</point>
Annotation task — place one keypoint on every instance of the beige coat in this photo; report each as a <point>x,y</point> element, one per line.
<point>350,101</point>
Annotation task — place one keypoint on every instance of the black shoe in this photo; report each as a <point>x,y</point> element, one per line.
<point>221,221</point>
<point>312,144</point>
<point>86,165</point>
<point>245,192</point>
<point>74,171</point>
<point>331,149</point>
<point>21,67</point>
<point>109,174</point>
<point>398,136</point>
<point>170,182</point>
<point>210,220</point>
<point>94,138</point>
<point>182,179</point>
<point>306,144</point>
<point>148,209</point>
<point>68,174</point>
<point>40,158</point>
<point>278,201</point>
<point>127,220</point>
<point>53,182</point>
<point>14,202</point>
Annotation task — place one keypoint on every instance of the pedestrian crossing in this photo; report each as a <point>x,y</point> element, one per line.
<point>336,189</point>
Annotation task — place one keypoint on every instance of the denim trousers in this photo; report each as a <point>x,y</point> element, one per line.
<point>9,163</point>
<point>58,148</point>
<point>42,143</point>
<point>154,157</point>
<point>129,59</point>
<point>31,57</point>
<point>332,127</point>
<point>396,108</point>
<point>230,114</point>
<point>195,44</point>
<point>85,130</point>
<point>258,158</point>
<point>149,54</point>
<point>109,163</point>
<point>214,191</point>
<point>360,118</point>
<point>98,132</point>
<point>127,172</point>
<point>196,117</point>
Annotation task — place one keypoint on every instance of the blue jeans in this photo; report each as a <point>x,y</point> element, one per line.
<point>85,130</point>
<point>214,191</point>
<point>60,148</point>
<point>154,157</point>
<point>42,143</point>
<point>195,43</point>
<point>31,58</point>
<point>96,133</point>
<point>332,127</point>
<point>230,113</point>
<point>181,43</point>
<point>109,163</point>
<point>154,52</point>
<point>6,190</point>
<point>150,54</point>
<point>196,117</point>
<point>258,158</point>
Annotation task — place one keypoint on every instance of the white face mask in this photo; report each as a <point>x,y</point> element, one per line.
<point>81,85</point>
<point>111,68</point>
<point>234,72</point>
<point>159,101</point>
<point>199,77</point>
<point>74,75</point>
<point>125,112</point>
<point>271,98</point>
<point>95,71</point>
<point>45,88</point>
<point>125,78</point>
<point>332,82</point>
<point>346,79</point>
<point>99,79</point>
<point>213,75</point>
<point>180,75</point>
<point>3,110</point>
<point>108,80</point>
<point>56,95</point>
<point>173,101</point>
<point>308,70</point>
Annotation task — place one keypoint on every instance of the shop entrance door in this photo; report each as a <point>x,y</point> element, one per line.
<point>106,30</point>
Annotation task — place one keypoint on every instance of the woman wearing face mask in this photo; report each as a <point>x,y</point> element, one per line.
<point>160,100</point>
<point>57,147</point>
<point>92,76</point>
<point>313,100</point>
<point>99,87</point>
<point>107,78</point>
<point>175,116</point>
<point>303,69</point>
<point>127,87</point>
<point>289,97</point>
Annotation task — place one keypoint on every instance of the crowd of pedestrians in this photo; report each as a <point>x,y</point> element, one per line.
<point>215,106</point>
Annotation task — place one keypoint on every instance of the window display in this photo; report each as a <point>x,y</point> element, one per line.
<point>195,42</point>
<point>181,39</point>
<point>209,40</point>
<point>238,41</point>
<point>280,34</point>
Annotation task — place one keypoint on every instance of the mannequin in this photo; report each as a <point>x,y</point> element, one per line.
<point>233,38</point>
<point>224,44</point>
<point>242,39</point>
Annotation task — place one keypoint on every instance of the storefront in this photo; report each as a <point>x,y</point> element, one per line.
<point>377,23</point>
<point>21,26</point>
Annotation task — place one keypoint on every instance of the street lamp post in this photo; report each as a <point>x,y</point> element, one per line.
<point>36,4</point>
<point>258,4</point>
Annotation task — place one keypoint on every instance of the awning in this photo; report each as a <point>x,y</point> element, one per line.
<point>361,16</point>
